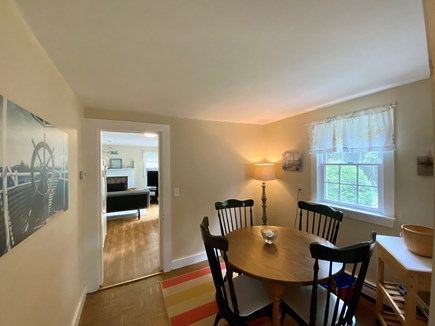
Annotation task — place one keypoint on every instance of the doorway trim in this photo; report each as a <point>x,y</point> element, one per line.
<point>94,233</point>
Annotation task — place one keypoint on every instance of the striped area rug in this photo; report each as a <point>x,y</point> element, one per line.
<point>190,299</point>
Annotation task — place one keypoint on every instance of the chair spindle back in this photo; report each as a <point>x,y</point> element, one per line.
<point>346,285</point>
<point>234,214</point>
<point>321,220</point>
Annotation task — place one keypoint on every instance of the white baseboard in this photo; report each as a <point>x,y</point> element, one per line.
<point>369,289</point>
<point>79,308</point>
<point>185,261</point>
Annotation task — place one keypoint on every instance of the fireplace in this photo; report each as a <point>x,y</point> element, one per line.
<point>117,183</point>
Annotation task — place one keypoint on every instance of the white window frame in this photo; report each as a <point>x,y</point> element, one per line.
<point>150,161</point>
<point>384,215</point>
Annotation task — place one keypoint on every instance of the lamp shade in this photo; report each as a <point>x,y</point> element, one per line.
<point>264,171</point>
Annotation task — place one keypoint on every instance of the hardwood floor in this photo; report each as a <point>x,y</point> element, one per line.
<point>141,303</point>
<point>132,247</point>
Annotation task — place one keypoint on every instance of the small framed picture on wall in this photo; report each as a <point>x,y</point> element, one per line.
<point>292,161</point>
<point>425,165</point>
<point>116,163</point>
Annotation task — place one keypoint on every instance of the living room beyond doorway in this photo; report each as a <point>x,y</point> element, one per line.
<point>132,244</point>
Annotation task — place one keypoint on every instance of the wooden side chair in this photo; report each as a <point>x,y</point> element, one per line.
<point>332,301</point>
<point>239,299</point>
<point>321,220</point>
<point>234,214</point>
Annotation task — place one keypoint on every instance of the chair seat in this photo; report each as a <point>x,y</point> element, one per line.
<point>298,298</point>
<point>251,295</point>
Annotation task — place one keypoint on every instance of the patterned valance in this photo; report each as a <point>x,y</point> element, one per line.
<point>365,130</point>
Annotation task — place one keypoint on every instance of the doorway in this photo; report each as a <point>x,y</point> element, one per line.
<point>94,225</point>
<point>131,246</point>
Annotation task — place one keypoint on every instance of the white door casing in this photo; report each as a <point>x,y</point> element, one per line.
<point>93,229</point>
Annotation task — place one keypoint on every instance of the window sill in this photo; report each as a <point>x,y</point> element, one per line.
<point>366,217</point>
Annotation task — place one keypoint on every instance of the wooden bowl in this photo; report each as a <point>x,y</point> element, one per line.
<point>418,239</point>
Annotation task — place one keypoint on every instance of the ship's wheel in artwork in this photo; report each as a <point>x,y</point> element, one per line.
<point>42,174</point>
<point>42,168</point>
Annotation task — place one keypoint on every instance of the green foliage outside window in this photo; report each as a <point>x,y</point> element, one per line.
<point>352,178</point>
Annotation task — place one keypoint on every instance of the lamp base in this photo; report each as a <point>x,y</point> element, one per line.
<point>263,200</point>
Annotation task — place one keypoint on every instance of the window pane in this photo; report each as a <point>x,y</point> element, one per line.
<point>151,165</point>
<point>351,179</point>
<point>348,194</point>
<point>368,175</point>
<point>332,191</point>
<point>372,157</point>
<point>351,157</point>
<point>333,157</point>
<point>331,173</point>
<point>368,196</point>
<point>348,174</point>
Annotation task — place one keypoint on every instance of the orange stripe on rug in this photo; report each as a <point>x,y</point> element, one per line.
<point>185,277</point>
<point>190,299</point>
<point>194,315</point>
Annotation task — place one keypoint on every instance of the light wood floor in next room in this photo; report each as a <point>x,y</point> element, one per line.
<point>132,247</point>
<point>141,303</point>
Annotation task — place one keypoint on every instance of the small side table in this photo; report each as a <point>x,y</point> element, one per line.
<point>413,270</point>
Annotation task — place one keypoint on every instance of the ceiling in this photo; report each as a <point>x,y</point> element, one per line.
<point>128,139</point>
<point>249,61</point>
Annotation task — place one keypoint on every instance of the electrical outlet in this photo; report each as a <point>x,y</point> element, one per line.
<point>300,187</point>
<point>176,192</point>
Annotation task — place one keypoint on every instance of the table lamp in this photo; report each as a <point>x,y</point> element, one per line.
<point>264,172</point>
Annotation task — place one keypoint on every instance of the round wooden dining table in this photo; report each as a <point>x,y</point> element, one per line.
<point>284,263</point>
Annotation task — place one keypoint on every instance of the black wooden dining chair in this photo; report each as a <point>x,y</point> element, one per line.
<point>234,214</point>
<point>334,301</point>
<point>239,299</point>
<point>318,219</point>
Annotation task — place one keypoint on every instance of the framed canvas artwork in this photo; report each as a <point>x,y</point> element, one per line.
<point>34,173</point>
<point>292,161</point>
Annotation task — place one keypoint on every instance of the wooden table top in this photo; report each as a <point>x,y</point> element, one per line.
<point>287,261</point>
<point>396,247</point>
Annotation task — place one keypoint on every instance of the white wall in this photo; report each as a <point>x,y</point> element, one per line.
<point>42,280</point>
<point>129,154</point>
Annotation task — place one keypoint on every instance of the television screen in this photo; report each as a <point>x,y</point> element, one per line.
<point>153,178</point>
